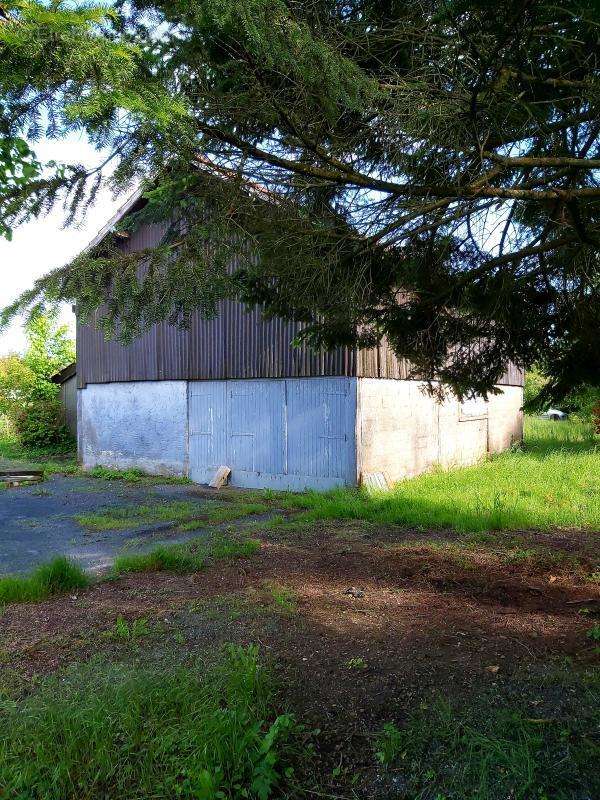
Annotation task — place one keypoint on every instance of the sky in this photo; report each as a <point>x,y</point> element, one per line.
<point>43,244</point>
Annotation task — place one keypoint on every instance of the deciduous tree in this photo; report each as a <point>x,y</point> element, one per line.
<point>28,397</point>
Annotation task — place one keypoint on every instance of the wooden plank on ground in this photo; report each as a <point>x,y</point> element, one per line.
<point>16,477</point>
<point>375,481</point>
<point>221,478</point>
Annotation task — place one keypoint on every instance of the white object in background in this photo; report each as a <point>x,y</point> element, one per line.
<point>554,413</point>
<point>375,481</point>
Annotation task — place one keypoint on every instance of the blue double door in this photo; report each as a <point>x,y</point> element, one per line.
<point>291,433</point>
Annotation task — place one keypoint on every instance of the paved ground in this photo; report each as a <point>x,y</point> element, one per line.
<point>37,524</point>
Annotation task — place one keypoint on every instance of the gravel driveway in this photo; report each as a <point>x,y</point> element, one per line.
<point>37,522</point>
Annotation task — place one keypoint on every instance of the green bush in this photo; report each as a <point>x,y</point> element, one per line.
<point>28,398</point>
<point>41,425</point>
<point>535,380</point>
<point>107,731</point>
<point>584,403</point>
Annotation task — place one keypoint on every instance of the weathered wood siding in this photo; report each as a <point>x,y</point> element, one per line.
<point>68,399</point>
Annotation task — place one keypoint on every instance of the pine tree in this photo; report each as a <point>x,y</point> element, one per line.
<point>422,171</point>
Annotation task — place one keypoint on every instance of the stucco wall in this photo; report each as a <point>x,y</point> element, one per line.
<point>289,434</point>
<point>402,431</point>
<point>141,425</point>
<point>506,419</point>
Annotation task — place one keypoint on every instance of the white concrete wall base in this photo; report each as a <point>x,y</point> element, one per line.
<point>402,431</point>
<point>336,429</point>
<point>140,425</point>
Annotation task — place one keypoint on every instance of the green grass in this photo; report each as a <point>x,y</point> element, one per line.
<point>57,577</point>
<point>551,482</point>
<point>284,599</point>
<point>129,631</point>
<point>51,461</point>
<point>189,556</point>
<point>492,752</point>
<point>123,517</point>
<point>136,476</point>
<point>217,514</point>
<point>187,515</point>
<point>131,732</point>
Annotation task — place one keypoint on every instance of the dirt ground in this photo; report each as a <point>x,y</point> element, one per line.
<point>362,624</point>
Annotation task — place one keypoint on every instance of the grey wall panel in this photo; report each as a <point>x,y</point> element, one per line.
<point>68,399</point>
<point>141,425</point>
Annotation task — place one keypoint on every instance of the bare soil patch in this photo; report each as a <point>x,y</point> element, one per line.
<point>378,622</point>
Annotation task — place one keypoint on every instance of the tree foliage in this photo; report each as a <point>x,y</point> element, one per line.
<point>28,398</point>
<point>425,171</point>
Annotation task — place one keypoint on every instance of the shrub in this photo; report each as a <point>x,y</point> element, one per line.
<point>535,380</point>
<point>104,730</point>
<point>584,402</point>
<point>41,424</point>
<point>28,398</point>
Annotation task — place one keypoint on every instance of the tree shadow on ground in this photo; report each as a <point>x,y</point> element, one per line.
<point>368,632</point>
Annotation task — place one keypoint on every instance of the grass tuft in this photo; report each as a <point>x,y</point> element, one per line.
<point>136,476</point>
<point>123,517</point>
<point>284,598</point>
<point>129,630</point>
<point>185,557</point>
<point>105,730</point>
<point>217,514</point>
<point>60,576</point>
<point>187,515</point>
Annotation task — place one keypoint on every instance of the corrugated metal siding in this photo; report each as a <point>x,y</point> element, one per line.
<point>238,343</point>
<point>68,399</point>
<point>514,376</point>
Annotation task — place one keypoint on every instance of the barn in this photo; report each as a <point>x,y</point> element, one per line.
<point>233,391</point>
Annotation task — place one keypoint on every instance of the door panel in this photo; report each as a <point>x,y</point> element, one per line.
<point>321,416</point>
<point>274,432</point>
<point>256,413</point>
<point>242,428</point>
<point>208,427</point>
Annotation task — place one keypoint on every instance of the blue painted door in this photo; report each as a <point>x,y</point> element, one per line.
<point>321,417</point>
<point>287,434</point>
<point>207,428</point>
<point>256,426</point>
